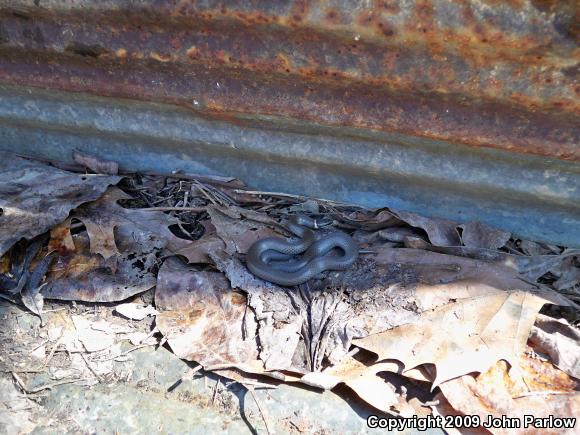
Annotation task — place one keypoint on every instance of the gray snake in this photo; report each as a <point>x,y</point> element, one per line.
<point>272,258</point>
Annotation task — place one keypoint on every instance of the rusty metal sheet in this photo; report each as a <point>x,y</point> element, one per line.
<point>480,73</point>
<point>533,197</point>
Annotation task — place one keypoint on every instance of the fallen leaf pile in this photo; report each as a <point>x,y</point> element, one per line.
<point>435,317</point>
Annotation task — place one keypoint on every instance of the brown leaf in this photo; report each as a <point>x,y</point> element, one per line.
<point>124,246</point>
<point>538,389</point>
<point>397,234</point>
<point>467,336</point>
<point>530,267</point>
<point>436,268</point>
<point>441,232</point>
<point>200,251</point>
<point>108,223</point>
<point>87,277</point>
<point>34,301</point>
<point>279,324</point>
<point>361,378</point>
<point>204,320</point>
<point>568,272</point>
<point>535,248</point>
<point>478,235</point>
<point>34,197</point>
<point>238,234</point>
<point>370,221</point>
<point>560,341</point>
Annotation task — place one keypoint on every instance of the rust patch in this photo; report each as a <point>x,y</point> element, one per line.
<point>480,74</point>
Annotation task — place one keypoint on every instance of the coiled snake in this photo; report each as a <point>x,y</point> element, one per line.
<point>272,259</point>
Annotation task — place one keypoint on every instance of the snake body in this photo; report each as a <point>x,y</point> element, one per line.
<point>273,259</point>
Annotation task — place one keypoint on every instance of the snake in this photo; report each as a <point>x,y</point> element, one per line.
<point>273,258</point>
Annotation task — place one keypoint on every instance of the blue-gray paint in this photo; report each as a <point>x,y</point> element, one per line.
<point>533,197</point>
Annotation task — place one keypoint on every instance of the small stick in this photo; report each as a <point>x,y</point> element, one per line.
<point>541,393</point>
<point>215,391</point>
<point>39,345</point>
<point>91,368</point>
<point>202,178</point>
<point>206,193</point>
<point>52,351</point>
<point>22,385</point>
<point>125,353</point>
<point>198,209</point>
<point>262,412</point>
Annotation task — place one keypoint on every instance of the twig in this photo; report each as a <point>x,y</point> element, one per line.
<point>431,403</point>
<point>125,352</point>
<point>262,412</point>
<point>54,310</point>
<point>39,345</point>
<point>541,393</point>
<point>206,193</point>
<point>52,351</point>
<point>301,197</point>
<point>198,209</point>
<point>24,388</point>
<point>256,384</point>
<point>218,181</point>
<point>215,391</point>
<point>91,368</point>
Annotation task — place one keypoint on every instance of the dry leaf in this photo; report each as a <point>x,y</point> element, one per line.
<point>478,235</point>
<point>34,197</point>
<point>89,278</point>
<point>279,324</point>
<point>361,378</point>
<point>568,273</point>
<point>93,340</point>
<point>538,389</point>
<point>125,246</point>
<point>441,232</point>
<point>463,337</point>
<point>529,267</point>
<point>499,271</point>
<point>560,341</point>
<point>370,221</point>
<point>200,251</point>
<point>203,320</point>
<point>107,224</point>
<point>238,234</point>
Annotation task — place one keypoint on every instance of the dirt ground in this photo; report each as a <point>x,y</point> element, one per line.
<point>141,389</point>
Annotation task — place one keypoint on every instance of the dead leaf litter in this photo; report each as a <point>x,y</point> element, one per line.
<point>434,318</point>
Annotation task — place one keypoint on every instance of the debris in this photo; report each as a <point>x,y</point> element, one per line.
<point>558,339</point>
<point>538,390</point>
<point>203,320</point>
<point>18,414</point>
<point>34,197</point>
<point>428,303</point>
<point>92,340</point>
<point>135,311</point>
<point>463,337</point>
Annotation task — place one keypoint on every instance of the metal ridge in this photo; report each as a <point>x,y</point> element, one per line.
<point>535,198</point>
<point>488,74</point>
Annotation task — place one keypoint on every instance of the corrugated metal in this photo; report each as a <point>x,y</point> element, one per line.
<point>491,73</point>
<point>462,109</point>
<point>534,197</point>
